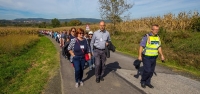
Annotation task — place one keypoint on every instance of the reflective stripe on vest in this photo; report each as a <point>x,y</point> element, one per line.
<point>152,44</point>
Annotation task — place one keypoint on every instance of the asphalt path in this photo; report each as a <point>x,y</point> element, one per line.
<point>120,77</point>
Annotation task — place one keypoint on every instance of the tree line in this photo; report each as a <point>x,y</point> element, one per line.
<point>54,23</point>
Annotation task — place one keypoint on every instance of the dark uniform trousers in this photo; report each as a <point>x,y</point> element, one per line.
<point>100,59</point>
<point>149,64</point>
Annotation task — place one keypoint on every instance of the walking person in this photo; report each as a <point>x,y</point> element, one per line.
<point>72,33</point>
<point>99,42</point>
<point>64,37</point>
<point>78,47</point>
<point>91,61</point>
<point>70,38</point>
<point>150,46</point>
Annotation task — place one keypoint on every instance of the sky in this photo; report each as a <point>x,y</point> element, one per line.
<point>67,9</point>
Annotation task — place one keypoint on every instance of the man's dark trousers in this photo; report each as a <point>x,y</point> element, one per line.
<point>149,64</point>
<point>100,59</point>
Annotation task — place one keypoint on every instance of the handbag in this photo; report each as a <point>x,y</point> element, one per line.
<point>86,57</point>
<point>85,54</point>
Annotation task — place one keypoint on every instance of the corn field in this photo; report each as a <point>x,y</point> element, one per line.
<point>18,30</point>
<point>169,21</point>
<point>14,39</point>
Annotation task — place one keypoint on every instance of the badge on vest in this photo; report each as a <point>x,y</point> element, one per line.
<point>82,46</point>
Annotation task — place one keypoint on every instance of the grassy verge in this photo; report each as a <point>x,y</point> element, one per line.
<point>29,72</point>
<point>181,49</point>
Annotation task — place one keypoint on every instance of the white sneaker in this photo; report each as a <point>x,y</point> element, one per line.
<point>81,83</point>
<point>76,85</point>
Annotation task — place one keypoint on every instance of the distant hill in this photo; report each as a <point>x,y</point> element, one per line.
<point>38,20</point>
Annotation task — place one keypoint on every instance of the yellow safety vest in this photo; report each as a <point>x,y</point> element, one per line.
<point>152,45</point>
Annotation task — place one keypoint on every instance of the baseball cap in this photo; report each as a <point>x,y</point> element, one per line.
<point>90,32</point>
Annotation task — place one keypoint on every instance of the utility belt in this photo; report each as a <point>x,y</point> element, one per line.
<point>149,57</point>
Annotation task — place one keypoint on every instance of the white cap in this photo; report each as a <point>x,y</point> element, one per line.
<point>90,32</point>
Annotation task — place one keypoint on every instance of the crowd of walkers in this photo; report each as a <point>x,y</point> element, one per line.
<point>77,44</point>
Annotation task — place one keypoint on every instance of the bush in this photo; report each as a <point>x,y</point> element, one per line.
<point>196,24</point>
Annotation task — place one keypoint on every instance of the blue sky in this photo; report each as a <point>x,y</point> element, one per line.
<point>65,9</point>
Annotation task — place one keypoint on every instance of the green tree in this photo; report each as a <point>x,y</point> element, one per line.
<point>65,23</point>
<point>42,25</point>
<point>113,9</point>
<point>74,23</point>
<point>55,22</point>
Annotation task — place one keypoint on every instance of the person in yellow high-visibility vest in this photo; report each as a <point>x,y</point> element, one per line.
<point>150,46</point>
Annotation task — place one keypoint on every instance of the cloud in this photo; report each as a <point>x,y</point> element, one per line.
<point>57,8</point>
<point>146,8</point>
<point>88,8</point>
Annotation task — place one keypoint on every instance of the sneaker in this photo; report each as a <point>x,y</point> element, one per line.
<point>76,85</point>
<point>81,83</point>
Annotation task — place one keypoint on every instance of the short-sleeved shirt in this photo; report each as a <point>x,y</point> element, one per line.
<point>144,41</point>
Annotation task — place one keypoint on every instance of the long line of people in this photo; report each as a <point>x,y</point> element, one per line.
<point>76,43</point>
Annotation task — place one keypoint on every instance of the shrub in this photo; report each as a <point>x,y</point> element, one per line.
<point>196,24</point>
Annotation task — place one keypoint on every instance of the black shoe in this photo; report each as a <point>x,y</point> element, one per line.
<point>150,86</point>
<point>97,80</point>
<point>143,85</point>
<point>102,79</point>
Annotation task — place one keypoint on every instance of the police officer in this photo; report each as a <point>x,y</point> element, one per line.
<point>150,46</point>
<point>99,42</point>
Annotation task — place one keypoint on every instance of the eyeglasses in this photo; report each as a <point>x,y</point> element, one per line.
<point>81,33</point>
<point>73,31</point>
<point>90,34</point>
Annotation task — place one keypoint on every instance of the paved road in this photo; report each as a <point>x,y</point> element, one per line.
<point>120,77</point>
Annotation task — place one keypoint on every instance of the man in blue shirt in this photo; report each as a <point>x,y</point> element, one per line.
<point>99,42</point>
<point>150,46</point>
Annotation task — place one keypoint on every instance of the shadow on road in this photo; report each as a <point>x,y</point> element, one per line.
<point>111,67</point>
<point>89,74</point>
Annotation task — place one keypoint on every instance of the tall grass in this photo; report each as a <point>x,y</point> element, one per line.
<point>171,22</point>
<point>180,44</point>
<point>27,61</point>
<point>181,49</point>
<point>18,30</point>
<point>13,44</point>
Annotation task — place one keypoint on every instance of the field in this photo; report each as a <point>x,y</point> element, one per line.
<point>28,60</point>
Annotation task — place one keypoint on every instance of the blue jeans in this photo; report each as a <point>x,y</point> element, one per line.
<point>79,63</point>
<point>91,61</point>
